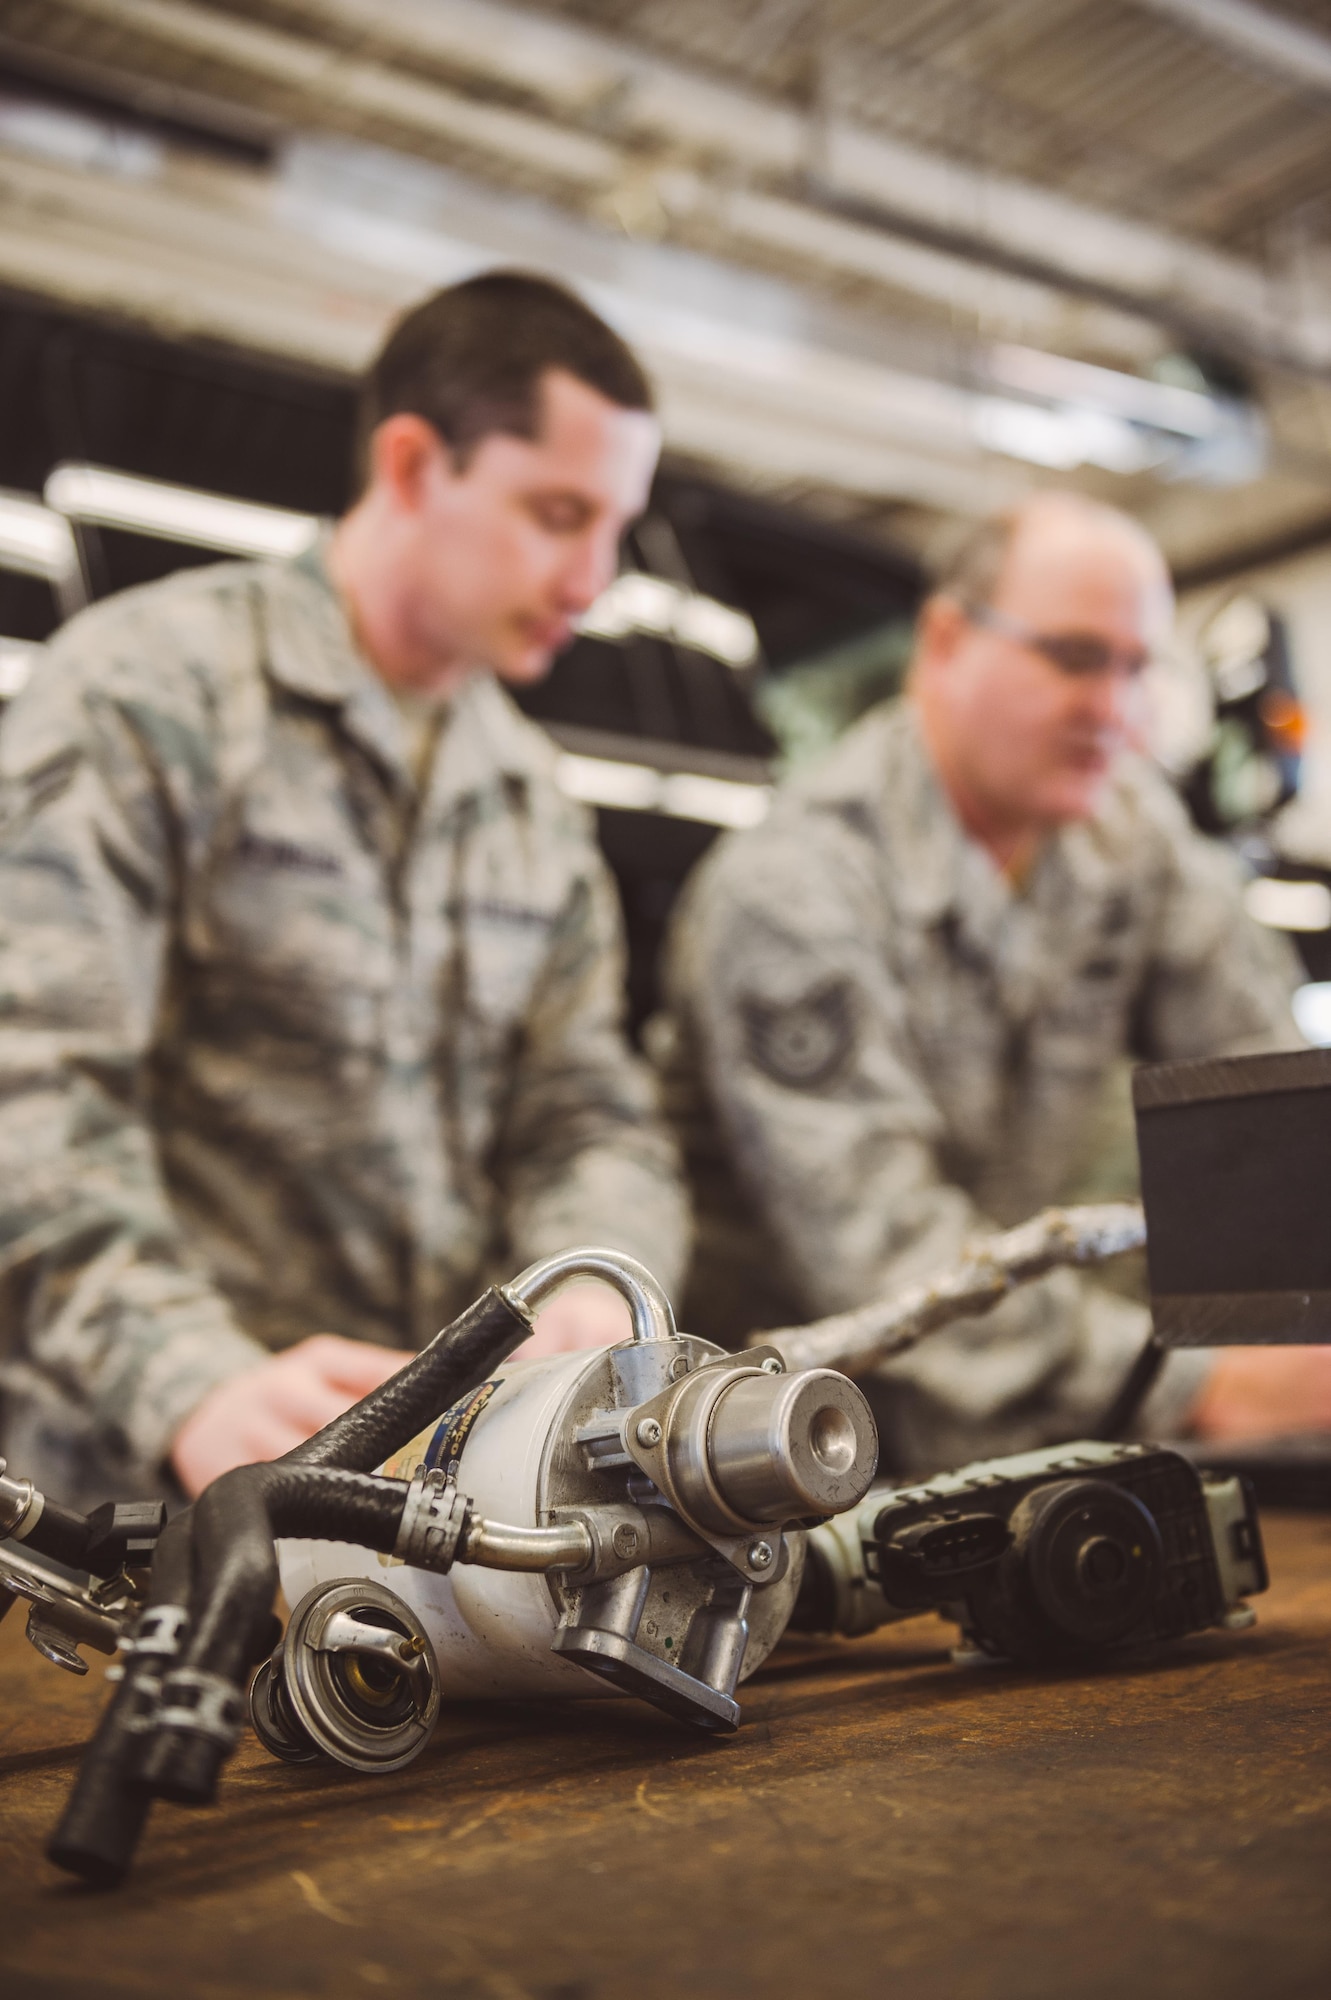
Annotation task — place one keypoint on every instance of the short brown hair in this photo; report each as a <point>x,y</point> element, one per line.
<point>470,360</point>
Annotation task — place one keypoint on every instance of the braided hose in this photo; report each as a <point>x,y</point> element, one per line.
<point>991,1268</point>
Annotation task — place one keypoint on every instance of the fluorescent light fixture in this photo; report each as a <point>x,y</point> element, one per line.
<point>1058,379</point>
<point>1062,438</point>
<point>1312,1011</point>
<point>663,610</point>
<point>177,513</point>
<point>1289,906</point>
<point>603,781</point>
<point>625,787</point>
<point>33,540</point>
<point>76,139</point>
<point>18,657</point>
<point>714,801</point>
<point>1086,415</point>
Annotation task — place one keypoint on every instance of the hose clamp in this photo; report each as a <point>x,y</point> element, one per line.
<point>157,1633</point>
<point>434,1520</point>
<point>203,1704</point>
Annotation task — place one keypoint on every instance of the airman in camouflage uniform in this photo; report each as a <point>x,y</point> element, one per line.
<point>879,1045</point>
<point>287,1043</point>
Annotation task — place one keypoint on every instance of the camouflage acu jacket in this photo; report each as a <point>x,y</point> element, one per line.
<point>876,1048</point>
<point>285,1047</point>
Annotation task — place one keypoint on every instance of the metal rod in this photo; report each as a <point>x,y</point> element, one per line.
<point>495,1545</point>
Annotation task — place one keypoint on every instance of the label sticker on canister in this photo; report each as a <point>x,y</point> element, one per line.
<point>444,1450</point>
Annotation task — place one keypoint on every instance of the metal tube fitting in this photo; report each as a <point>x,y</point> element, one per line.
<point>653,1317</point>
<point>494,1545</point>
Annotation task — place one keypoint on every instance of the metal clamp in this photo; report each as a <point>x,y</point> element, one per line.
<point>433,1521</point>
<point>215,1709</point>
<point>158,1632</point>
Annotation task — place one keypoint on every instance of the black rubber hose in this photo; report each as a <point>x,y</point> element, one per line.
<point>100,1827</point>
<point>455,1361</point>
<point>102,1823</point>
<point>236,1522</point>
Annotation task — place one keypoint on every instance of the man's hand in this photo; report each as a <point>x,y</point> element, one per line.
<point>277,1404</point>
<point>589,1315</point>
<point>1264,1392</point>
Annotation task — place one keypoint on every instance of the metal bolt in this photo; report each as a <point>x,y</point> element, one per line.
<point>772,1366</point>
<point>760,1555</point>
<point>648,1432</point>
<point>411,1647</point>
<point>625,1540</point>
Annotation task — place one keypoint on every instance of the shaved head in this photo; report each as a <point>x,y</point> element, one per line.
<point>1023,737</point>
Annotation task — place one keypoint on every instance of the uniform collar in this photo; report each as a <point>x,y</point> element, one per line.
<point>882,771</point>
<point>311,647</point>
<point>943,870</point>
<point>1030,935</point>
<point>313,652</point>
<point>938,871</point>
<point>485,734</point>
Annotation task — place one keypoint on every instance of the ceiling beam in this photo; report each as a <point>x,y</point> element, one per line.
<point>883,183</point>
<point>597,102</point>
<point>1290,51</point>
<point>200,260</point>
<point>318,73</point>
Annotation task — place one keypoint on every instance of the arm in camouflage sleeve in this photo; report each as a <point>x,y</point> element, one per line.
<point>584,1156</point>
<point>779,989</point>
<point>94,1287</point>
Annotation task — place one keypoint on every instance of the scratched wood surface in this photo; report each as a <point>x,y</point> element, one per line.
<point>884,1823</point>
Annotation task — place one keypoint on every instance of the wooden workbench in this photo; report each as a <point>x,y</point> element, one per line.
<point>884,1823</point>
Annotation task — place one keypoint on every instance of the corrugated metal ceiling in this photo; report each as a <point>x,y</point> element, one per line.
<point>1098,98</point>
<point>1195,187</point>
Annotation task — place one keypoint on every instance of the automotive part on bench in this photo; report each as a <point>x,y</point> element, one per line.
<point>1046,1556</point>
<point>635,1512</point>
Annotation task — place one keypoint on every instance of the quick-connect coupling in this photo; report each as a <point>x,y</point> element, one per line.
<point>739,1447</point>
<point>791,1445</point>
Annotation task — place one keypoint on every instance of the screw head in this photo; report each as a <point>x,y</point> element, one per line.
<point>760,1555</point>
<point>772,1366</point>
<point>648,1432</point>
<point>624,1541</point>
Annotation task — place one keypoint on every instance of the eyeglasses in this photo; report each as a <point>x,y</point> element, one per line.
<point>1078,654</point>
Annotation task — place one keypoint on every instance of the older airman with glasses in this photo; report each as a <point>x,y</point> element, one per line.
<point>899,1010</point>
